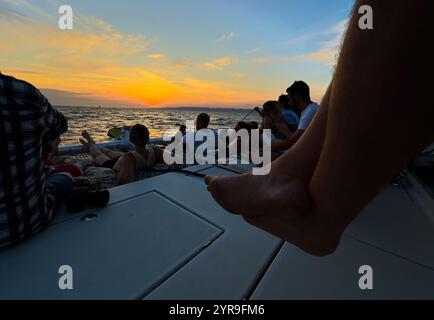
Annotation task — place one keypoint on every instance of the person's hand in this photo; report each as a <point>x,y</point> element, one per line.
<point>268,123</point>
<point>282,129</point>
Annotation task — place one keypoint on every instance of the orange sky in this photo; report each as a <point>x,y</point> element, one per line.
<point>95,64</point>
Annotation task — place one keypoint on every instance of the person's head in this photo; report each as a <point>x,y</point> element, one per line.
<point>271,110</point>
<point>254,125</point>
<point>139,135</point>
<point>243,125</point>
<point>202,121</point>
<point>284,102</point>
<point>299,94</point>
<point>183,129</point>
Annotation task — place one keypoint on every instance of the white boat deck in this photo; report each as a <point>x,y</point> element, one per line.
<point>165,238</point>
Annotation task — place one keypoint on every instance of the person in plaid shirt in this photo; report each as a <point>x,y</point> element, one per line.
<point>28,125</point>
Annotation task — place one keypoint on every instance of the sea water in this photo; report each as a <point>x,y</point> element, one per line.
<point>97,121</point>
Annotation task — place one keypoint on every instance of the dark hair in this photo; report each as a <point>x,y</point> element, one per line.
<point>270,107</point>
<point>284,99</point>
<point>299,88</point>
<point>139,134</point>
<point>204,119</point>
<point>243,125</point>
<point>254,125</point>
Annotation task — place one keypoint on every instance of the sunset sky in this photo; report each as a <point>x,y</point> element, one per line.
<point>159,53</point>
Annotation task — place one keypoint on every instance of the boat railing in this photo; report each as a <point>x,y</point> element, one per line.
<point>124,144</point>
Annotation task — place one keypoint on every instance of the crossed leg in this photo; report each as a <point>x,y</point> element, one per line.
<point>284,190</point>
<point>373,122</point>
<point>99,155</point>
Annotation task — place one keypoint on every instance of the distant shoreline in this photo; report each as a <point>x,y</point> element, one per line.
<point>210,109</point>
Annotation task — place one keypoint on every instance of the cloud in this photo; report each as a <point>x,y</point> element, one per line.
<point>338,28</point>
<point>254,50</point>
<point>97,64</point>
<point>336,31</point>
<point>24,4</point>
<point>69,98</point>
<point>155,56</point>
<point>239,74</point>
<point>326,56</point>
<point>181,62</point>
<point>220,63</point>
<point>326,53</point>
<point>227,37</point>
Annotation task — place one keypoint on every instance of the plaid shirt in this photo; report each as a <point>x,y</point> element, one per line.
<point>27,122</point>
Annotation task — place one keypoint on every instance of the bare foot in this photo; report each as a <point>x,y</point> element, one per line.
<point>84,142</point>
<point>87,136</point>
<point>245,193</point>
<point>278,203</point>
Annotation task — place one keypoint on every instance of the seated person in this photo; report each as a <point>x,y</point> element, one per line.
<point>249,126</point>
<point>202,130</point>
<point>126,164</point>
<point>243,125</point>
<point>288,114</point>
<point>182,129</point>
<point>28,198</point>
<point>51,164</point>
<point>299,97</point>
<point>253,125</point>
<point>274,121</point>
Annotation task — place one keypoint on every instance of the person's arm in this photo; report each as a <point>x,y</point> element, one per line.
<point>55,121</point>
<point>127,170</point>
<point>159,158</point>
<point>172,140</point>
<point>283,129</point>
<point>267,123</point>
<point>282,145</point>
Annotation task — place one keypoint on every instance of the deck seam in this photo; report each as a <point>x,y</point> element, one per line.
<point>390,252</point>
<point>263,272</point>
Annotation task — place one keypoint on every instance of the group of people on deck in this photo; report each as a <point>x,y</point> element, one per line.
<point>33,128</point>
<point>289,117</point>
<point>373,120</point>
<point>32,187</point>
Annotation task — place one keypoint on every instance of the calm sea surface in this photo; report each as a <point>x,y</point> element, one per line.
<point>99,120</point>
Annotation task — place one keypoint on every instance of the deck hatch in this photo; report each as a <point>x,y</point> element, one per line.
<point>132,247</point>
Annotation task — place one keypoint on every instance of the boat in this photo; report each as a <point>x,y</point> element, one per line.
<point>164,238</point>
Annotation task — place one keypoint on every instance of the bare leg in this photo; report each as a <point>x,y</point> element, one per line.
<point>111,153</point>
<point>89,141</point>
<point>87,136</point>
<point>378,119</point>
<point>98,157</point>
<point>261,202</point>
